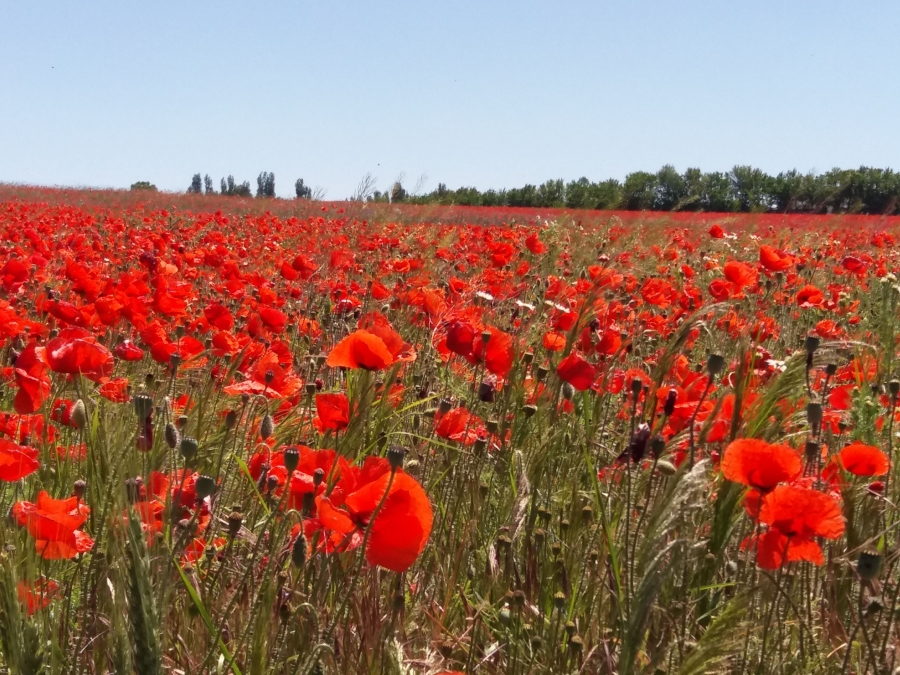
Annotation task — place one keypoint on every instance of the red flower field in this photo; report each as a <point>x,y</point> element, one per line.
<point>270,436</point>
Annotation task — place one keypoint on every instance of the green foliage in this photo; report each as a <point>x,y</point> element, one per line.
<point>143,185</point>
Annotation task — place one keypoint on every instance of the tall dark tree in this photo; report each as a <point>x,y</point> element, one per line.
<point>208,185</point>
<point>265,184</point>
<point>196,185</point>
<point>303,191</point>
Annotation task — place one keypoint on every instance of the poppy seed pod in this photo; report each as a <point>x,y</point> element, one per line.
<point>714,364</point>
<point>395,455</point>
<point>666,468</point>
<point>486,392</point>
<point>814,416</point>
<point>235,521</point>
<point>445,406</point>
<point>266,427</point>
<point>188,447</point>
<point>568,391</point>
<point>171,435</point>
<point>868,565</point>
<point>894,388</point>
<point>811,344</point>
<point>310,388</point>
<point>78,488</point>
<point>541,373</point>
<point>204,486</point>
<point>291,459</point>
<point>143,407</point>
<point>318,476</point>
<point>658,446</point>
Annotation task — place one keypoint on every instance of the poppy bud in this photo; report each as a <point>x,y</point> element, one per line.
<point>79,488</point>
<point>318,476</point>
<point>235,521</point>
<point>143,407</point>
<point>188,447</point>
<point>291,459</point>
<point>171,435</point>
<point>245,398</point>
<point>669,406</point>
<point>79,415</point>
<point>714,364</point>
<point>204,486</point>
<point>266,427</point>
<point>231,419</point>
<point>298,551</point>
<point>868,565</point>
<point>666,468</point>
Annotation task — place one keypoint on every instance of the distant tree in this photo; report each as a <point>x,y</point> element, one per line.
<point>232,189</point>
<point>143,185</point>
<point>716,193</point>
<point>208,185</point>
<point>365,190</point>
<point>639,191</point>
<point>752,188</point>
<point>398,194</point>
<point>303,191</point>
<point>265,184</point>
<point>670,190</point>
<point>196,185</point>
<point>552,194</point>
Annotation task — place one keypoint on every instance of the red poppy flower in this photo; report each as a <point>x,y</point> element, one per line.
<point>774,260</point>
<point>267,376</point>
<point>360,349</point>
<point>37,595</point>
<point>17,461</point>
<point>740,274</point>
<point>810,296</point>
<point>54,524</point>
<point>864,460</point>
<point>401,527</point>
<point>459,425</point>
<point>716,231</point>
<point>753,462</point>
<point>128,351</point>
<point>34,385</point>
<point>333,412</point>
<point>75,350</point>
<point>577,372</point>
<point>496,351</point>
<point>460,337</point>
<point>116,390</point>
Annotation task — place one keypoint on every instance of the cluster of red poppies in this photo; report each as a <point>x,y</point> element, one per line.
<point>557,315</point>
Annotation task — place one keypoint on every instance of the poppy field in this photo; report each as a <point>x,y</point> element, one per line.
<point>271,436</point>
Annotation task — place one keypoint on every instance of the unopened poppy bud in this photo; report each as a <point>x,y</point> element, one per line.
<point>395,457</point>
<point>814,416</point>
<point>669,406</point>
<point>714,364</point>
<point>235,521</point>
<point>205,486</point>
<point>568,391</point>
<point>291,459</point>
<point>298,551</point>
<point>143,407</point>
<point>318,476</point>
<point>171,435</point>
<point>79,488</point>
<point>79,415</point>
<point>245,398</point>
<point>188,447</point>
<point>231,419</point>
<point>266,427</point>
<point>868,565</point>
<point>657,446</point>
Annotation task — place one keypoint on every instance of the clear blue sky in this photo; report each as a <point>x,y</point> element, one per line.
<point>484,93</point>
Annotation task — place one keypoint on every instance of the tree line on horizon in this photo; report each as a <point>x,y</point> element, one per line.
<point>744,189</point>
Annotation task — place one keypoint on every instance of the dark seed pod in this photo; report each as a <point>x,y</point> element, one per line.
<point>395,457</point>
<point>291,459</point>
<point>714,364</point>
<point>868,565</point>
<point>657,446</point>
<point>205,486</point>
<point>235,521</point>
<point>318,476</point>
<point>188,447</point>
<point>486,392</point>
<point>568,391</point>
<point>231,419</point>
<point>143,407</point>
<point>78,489</point>
<point>671,399</point>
